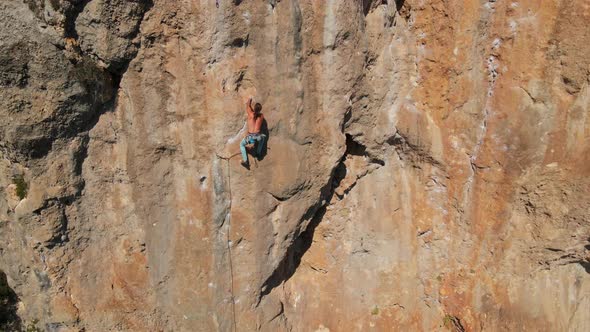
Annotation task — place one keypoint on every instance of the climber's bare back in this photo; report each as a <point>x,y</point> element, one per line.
<point>255,123</point>
<point>255,118</point>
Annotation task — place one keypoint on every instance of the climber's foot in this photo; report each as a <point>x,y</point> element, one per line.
<point>245,164</point>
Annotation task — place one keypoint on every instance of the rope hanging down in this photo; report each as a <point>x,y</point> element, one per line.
<point>231,268</point>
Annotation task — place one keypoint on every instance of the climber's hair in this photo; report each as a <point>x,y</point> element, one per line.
<point>257,108</point>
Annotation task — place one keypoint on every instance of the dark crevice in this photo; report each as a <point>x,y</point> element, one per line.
<point>9,320</point>
<point>377,161</point>
<point>116,65</point>
<point>118,68</point>
<point>585,265</point>
<point>78,114</point>
<point>399,4</point>
<point>315,214</point>
<point>302,243</point>
<point>80,155</point>
<point>347,117</point>
<point>292,259</point>
<point>355,148</point>
<point>369,5</point>
<point>346,191</point>
<point>69,9</point>
<point>79,123</point>
<point>554,249</point>
<point>239,42</point>
<point>239,79</point>
<point>403,9</point>
<point>281,311</point>
<point>279,198</point>
<point>370,60</point>
<point>567,258</point>
<point>453,323</point>
<point>339,175</point>
<point>412,153</point>
<point>71,15</point>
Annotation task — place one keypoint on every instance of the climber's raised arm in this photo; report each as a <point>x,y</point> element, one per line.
<point>249,108</point>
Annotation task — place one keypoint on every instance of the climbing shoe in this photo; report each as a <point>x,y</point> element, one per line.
<point>245,164</point>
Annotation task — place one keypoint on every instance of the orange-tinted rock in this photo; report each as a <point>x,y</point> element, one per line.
<point>426,165</point>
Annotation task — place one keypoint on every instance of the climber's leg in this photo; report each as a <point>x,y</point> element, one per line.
<point>243,150</point>
<point>261,142</point>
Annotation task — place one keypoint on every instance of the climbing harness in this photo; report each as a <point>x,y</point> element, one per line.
<point>253,138</point>
<point>252,141</point>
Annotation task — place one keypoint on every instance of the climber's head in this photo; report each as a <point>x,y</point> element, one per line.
<point>257,108</point>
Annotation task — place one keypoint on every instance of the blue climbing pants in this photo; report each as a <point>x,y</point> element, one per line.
<point>257,139</point>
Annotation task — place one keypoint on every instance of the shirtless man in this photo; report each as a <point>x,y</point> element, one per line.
<point>255,120</point>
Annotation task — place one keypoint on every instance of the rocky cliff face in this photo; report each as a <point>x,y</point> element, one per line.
<point>427,165</point>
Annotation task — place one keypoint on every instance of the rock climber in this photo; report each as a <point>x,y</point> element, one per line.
<point>254,137</point>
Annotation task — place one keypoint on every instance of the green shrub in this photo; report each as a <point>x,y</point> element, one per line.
<point>447,320</point>
<point>21,186</point>
<point>32,327</point>
<point>375,311</point>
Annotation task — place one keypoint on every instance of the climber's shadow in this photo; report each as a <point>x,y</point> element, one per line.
<point>264,148</point>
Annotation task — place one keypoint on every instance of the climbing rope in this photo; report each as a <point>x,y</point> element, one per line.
<point>231,267</point>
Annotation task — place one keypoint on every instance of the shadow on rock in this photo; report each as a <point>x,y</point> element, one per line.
<point>302,243</point>
<point>9,320</point>
<point>586,263</point>
<point>264,149</point>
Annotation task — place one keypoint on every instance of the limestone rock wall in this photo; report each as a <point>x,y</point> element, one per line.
<point>426,168</point>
